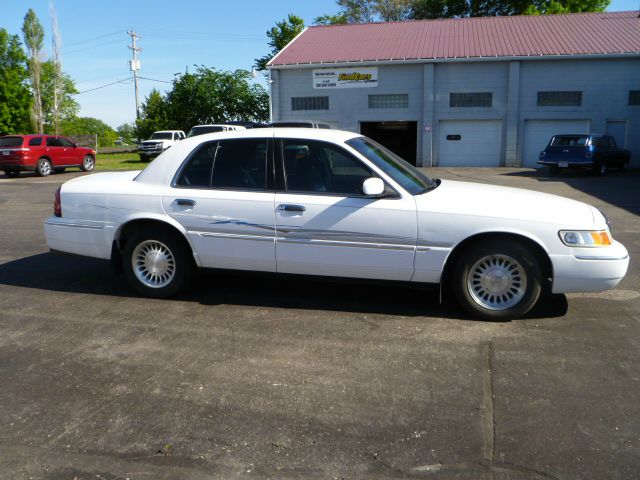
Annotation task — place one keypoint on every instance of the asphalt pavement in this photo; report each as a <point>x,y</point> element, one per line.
<point>254,377</point>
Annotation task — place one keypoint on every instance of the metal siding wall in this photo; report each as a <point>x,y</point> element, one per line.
<point>471,77</point>
<point>605,84</point>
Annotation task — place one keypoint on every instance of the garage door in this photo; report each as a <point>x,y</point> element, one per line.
<point>537,134</point>
<point>469,143</point>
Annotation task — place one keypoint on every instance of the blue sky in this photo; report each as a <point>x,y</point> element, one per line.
<point>226,35</point>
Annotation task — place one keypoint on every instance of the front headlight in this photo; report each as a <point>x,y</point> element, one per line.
<point>585,238</point>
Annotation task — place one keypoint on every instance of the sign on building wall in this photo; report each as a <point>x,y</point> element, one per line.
<point>357,77</point>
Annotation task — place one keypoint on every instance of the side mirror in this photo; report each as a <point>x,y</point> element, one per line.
<point>373,186</point>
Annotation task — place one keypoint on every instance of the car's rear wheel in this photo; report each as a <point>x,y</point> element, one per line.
<point>157,263</point>
<point>499,280</point>
<point>12,173</point>
<point>43,168</point>
<point>59,170</point>
<point>88,163</point>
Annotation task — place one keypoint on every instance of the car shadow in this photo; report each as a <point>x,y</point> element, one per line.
<point>70,274</point>
<point>616,188</point>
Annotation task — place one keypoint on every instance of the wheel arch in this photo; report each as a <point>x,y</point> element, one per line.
<point>133,225</point>
<point>533,245</point>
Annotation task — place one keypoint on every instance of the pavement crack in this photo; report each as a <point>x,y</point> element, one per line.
<point>487,406</point>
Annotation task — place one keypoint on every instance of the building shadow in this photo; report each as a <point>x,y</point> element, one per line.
<point>83,275</point>
<point>616,188</point>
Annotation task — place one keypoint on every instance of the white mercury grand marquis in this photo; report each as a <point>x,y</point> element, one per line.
<point>332,203</point>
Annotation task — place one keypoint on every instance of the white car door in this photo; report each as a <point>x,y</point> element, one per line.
<point>220,197</point>
<point>325,225</point>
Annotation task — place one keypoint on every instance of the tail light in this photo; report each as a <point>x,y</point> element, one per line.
<point>57,205</point>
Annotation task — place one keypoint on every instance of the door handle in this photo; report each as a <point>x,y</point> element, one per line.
<point>185,202</point>
<point>292,208</point>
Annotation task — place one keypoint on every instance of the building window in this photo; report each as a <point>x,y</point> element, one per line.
<point>559,99</point>
<point>400,100</point>
<point>471,99</point>
<point>634,97</point>
<point>309,103</point>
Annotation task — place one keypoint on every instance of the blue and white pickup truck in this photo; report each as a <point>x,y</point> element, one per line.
<point>597,152</point>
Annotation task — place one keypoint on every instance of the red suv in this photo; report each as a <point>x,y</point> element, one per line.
<point>42,154</point>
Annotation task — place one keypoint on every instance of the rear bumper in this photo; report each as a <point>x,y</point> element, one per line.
<point>552,163</point>
<point>90,239</point>
<point>17,167</point>
<point>589,271</point>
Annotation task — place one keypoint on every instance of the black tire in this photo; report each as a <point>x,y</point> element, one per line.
<point>510,286</point>
<point>554,170</point>
<point>59,169</point>
<point>600,168</point>
<point>88,163</point>
<point>144,158</point>
<point>176,260</point>
<point>43,168</point>
<point>12,173</point>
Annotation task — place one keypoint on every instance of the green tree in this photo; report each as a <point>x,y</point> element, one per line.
<point>15,97</point>
<point>68,107</point>
<point>88,125</point>
<point>212,96</point>
<point>153,115</point>
<point>127,132</point>
<point>429,9</point>
<point>33,37</point>
<point>566,6</point>
<point>338,19</point>
<point>279,36</point>
<point>393,10</point>
<point>358,11</point>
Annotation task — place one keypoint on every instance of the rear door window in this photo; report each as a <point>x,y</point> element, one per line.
<point>241,164</point>
<point>35,142</point>
<point>197,173</point>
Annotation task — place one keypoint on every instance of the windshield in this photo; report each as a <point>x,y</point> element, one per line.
<point>11,142</point>
<point>162,136</point>
<point>202,130</point>
<point>409,177</point>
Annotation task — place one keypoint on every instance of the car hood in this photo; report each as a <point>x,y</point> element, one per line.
<point>465,198</point>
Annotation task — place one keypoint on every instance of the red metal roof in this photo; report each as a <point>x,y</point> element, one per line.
<point>518,36</point>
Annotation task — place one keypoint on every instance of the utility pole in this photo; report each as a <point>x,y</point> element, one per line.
<point>135,66</point>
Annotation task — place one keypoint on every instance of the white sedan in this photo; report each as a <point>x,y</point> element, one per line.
<point>332,203</point>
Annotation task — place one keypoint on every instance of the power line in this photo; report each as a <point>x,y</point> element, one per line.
<point>154,79</point>
<point>103,86</point>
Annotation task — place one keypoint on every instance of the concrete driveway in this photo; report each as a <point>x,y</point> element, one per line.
<point>248,377</point>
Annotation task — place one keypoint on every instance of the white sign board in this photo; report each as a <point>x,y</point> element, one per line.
<point>356,77</point>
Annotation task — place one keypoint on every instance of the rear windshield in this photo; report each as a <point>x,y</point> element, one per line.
<point>11,142</point>
<point>570,141</point>
<point>202,130</point>
<point>162,136</point>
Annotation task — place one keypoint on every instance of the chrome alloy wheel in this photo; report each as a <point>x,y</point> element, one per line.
<point>45,168</point>
<point>87,163</point>
<point>497,282</point>
<point>153,264</point>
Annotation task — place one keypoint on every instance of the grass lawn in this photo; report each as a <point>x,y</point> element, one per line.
<point>119,161</point>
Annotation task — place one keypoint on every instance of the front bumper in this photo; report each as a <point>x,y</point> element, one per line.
<point>589,269</point>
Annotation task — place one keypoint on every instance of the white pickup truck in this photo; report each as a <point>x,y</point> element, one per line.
<point>158,143</point>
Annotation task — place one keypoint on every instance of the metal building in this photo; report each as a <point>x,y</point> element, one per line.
<point>467,92</point>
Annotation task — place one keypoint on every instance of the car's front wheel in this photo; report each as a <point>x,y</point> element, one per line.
<point>88,163</point>
<point>499,280</point>
<point>157,263</point>
<point>43,168</point>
